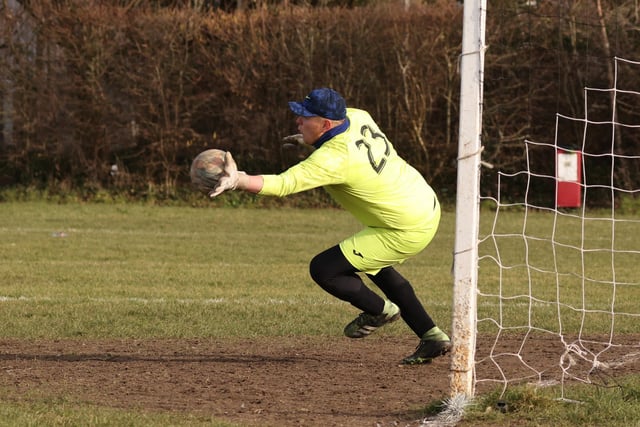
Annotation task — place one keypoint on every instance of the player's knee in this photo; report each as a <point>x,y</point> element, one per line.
<point>329,265</point>
<point>329,280</point>
<point>315,270</point>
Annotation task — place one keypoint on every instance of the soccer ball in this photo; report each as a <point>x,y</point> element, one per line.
<point>207,169</point>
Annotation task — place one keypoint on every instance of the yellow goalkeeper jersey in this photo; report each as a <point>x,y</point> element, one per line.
<point>361,170</point>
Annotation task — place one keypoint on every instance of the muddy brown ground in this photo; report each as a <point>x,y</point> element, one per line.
<point>283,381</point>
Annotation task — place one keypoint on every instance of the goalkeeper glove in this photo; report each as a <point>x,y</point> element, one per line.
<point>293,141</point>
<point>231,179</point>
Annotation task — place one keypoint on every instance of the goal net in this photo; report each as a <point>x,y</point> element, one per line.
<point>558,296</point>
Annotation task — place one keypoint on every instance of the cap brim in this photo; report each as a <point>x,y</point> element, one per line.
<point>299,110</point>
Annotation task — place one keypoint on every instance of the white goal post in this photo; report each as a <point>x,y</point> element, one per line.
<point>467,199</point>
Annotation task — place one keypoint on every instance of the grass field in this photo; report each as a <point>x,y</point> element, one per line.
<point>101,271</point>
<point>194,272</point>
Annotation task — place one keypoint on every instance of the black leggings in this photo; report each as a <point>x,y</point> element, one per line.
<point>331,270</point>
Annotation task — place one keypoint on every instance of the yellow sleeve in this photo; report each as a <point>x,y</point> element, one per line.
<point>325,166</point>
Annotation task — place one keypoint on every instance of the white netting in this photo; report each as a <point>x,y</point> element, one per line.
<point>559,288</point>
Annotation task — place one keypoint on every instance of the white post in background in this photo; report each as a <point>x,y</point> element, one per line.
<point>465,274</point>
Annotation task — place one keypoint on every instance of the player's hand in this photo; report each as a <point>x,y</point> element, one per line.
<point>293,141</point>
<point>229,180</point>
<point>296,141</point>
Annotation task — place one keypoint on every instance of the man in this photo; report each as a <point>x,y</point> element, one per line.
<point>360,169</point>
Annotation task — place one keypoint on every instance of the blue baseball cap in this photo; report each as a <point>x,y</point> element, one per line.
<point>323,102</point>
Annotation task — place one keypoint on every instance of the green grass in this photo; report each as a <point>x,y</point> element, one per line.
<point>118,267</point>
<point>591,406</point>
<point>136,271</point>
<point>42,411</point>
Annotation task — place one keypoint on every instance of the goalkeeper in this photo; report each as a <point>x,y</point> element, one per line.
<point>357,165</point>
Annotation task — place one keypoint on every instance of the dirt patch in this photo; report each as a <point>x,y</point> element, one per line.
<point>283,381</point>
